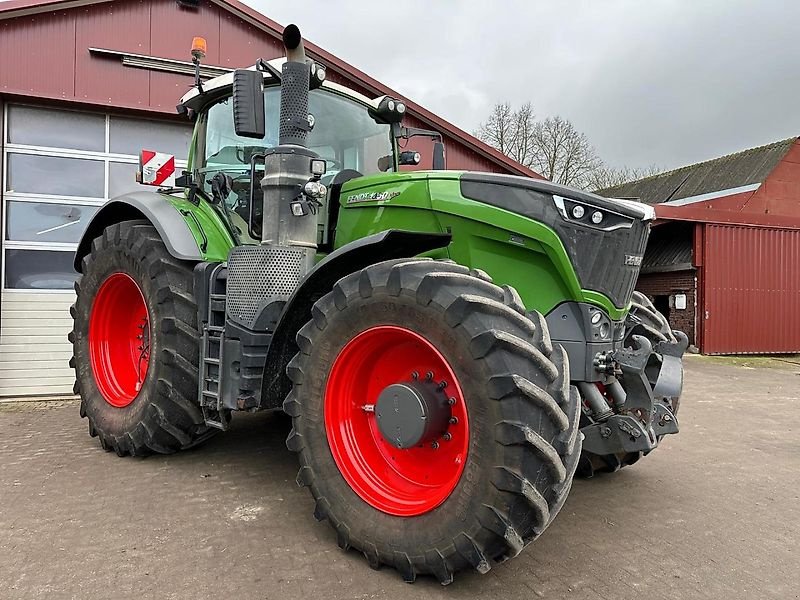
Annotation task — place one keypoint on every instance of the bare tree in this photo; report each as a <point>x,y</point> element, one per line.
<point>561,153</point>
<point>551,147</point>
<point>498,130</point>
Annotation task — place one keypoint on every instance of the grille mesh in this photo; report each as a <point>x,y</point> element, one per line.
<point>258,275</point>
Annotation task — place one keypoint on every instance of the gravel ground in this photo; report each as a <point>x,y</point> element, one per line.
<point>713,513</point>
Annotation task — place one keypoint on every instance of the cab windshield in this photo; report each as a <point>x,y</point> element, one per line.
<point>344,135</point>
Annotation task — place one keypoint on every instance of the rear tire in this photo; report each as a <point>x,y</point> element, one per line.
<point>522,417</point>
<point>157,412</point>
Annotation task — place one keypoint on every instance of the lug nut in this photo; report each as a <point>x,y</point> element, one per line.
<point>442,385</point>
<point>414,375</point>
<point>451,401</point>
<point>453,420</point>
<point>429,376</point>
<point>447,437</point>
<point>435,445</point>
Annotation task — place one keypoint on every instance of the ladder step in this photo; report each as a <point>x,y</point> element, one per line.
<point>213,361</point>
<point>210,394</point>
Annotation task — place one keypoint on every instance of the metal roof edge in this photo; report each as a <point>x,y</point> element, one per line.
<point>692,166</point>
<point>712,195</point>
<point>10,9</point>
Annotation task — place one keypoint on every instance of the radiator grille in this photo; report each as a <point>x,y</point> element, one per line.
<point>259,275</point>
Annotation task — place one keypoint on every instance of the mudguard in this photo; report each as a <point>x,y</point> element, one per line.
<point>152,206</point>
<point>351,257</point>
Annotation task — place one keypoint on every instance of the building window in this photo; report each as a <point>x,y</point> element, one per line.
<point>46,222</point>
<point>54,175</point>
<point>60,166</point>
<point>44,127</point>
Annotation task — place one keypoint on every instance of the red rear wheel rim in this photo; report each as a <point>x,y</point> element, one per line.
<point>119,339</point>
<point>402,482</point>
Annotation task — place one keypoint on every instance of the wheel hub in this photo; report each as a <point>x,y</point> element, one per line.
<point>413,413</point>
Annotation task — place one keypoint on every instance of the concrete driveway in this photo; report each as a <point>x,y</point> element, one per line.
<point>714,513</point>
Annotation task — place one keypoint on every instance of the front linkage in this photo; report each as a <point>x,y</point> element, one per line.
<point>642,399</point>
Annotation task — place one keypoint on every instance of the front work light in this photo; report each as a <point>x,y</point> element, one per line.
<point>410,157</point>
<point>317,75</point>
<point>318,167</point>
<point>388,111</point>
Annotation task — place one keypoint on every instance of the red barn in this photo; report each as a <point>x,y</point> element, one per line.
<point>84,85</point>
<point>723,260</point>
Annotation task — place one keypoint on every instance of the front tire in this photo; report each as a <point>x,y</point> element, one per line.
<point>493,478</point>
<point>136,344</point>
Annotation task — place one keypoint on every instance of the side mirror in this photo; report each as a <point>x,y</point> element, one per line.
<point>248,104</point>
<point>439,163</point>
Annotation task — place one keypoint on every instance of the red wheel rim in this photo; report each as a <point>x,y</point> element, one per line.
<point>405,482</point>
<point>119,339</point>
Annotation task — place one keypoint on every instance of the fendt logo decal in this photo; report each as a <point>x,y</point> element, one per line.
<point>371,196</point>
<point>157,168</point>
<point>632,260</point>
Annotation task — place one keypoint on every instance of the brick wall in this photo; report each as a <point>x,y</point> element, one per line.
<point>665,284</point>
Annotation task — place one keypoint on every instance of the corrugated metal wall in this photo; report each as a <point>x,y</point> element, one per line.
<point>750,290</point>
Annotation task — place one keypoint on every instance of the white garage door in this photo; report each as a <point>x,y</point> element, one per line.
<point>59,166</point>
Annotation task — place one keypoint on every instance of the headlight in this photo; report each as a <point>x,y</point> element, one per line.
<point>601,325</point>
<point>574,211</point>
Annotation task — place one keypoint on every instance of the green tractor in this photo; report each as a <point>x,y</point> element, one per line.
<point>450,346</point>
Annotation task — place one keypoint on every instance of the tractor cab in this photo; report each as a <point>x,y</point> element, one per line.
<point>353,134</point>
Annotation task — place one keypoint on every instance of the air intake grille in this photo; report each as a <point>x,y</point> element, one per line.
<point>260,275</point>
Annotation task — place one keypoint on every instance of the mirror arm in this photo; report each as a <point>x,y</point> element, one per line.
<point>264,66</point>
<point>409,132</point>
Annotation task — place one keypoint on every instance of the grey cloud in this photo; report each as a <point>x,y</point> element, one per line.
<point>664,82</point>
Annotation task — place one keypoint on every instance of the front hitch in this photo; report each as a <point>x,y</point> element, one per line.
<point>652,378</point>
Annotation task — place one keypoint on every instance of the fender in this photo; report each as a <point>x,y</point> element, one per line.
<point>351,257</point>
<point>151,206</point>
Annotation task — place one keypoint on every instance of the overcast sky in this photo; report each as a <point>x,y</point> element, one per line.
<point>662,82</point>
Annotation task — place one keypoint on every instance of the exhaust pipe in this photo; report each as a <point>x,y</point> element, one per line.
<point>295,75</point>
<point>293,44</point>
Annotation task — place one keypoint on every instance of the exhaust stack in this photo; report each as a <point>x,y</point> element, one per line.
<point>295,76</point>
<point>289,222</point>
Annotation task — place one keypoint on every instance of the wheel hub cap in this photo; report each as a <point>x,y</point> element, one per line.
<point>411,413</point>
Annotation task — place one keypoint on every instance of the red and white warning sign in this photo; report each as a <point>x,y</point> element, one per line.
<point>156,168</point>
